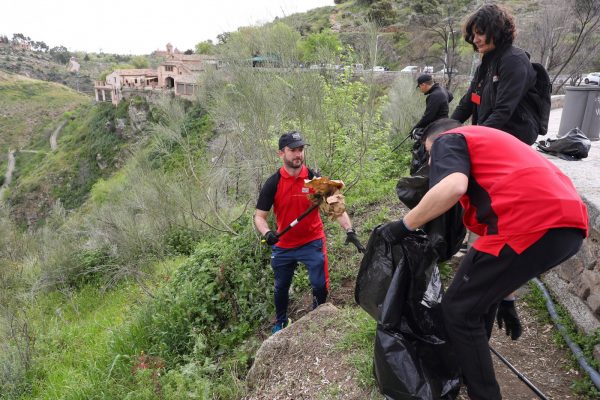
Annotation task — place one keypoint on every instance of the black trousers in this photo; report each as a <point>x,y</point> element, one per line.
<point>481,282</point>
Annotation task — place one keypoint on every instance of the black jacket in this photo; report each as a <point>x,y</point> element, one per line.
<point>502,81</point>
<point>436,105</point>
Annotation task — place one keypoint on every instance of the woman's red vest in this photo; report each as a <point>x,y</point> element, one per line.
<point>519,194</point>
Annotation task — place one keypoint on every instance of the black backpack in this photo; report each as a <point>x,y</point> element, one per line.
<point>538,100</point>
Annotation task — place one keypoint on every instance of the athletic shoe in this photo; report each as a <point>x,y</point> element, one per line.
<point>279,326</point>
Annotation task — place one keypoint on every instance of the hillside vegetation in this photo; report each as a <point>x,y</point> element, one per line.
<point>30,108</point>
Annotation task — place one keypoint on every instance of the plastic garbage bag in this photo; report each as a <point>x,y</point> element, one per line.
<point>420,157</point>
<point>400,287</point>
<point>573,145</point>
<point>447,231</point>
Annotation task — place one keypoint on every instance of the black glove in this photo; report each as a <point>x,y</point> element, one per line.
<point>271,238</point>
<point>394,232</point>
<point>417,133</point>
<point>352,237</point>
<point>507,316</point>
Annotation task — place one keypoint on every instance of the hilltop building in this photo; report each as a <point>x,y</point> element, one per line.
<point>179,74</point>
<point>73,65</point>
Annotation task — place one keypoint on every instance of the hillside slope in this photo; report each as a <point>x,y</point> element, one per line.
<point>28,107</point>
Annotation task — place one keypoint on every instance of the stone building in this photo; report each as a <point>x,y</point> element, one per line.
<point>111,89</point>
<point>178,73</point>
<point>73,65</point>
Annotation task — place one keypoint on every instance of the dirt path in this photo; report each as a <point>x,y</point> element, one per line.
<point>54,136</point>
<point>537,357</point>
<point>534,354</point>
<point>9,172</point>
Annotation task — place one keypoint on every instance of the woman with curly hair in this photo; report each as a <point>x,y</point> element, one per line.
<point>498,94</point>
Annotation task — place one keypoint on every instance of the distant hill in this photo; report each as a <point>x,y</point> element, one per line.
<point>30,107</point>
<point>40,65</point>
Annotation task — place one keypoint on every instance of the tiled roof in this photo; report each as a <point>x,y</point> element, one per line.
<point>137,72</point>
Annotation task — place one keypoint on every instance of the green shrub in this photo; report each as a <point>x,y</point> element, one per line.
<point>213,303</point>
<point>181,241</point>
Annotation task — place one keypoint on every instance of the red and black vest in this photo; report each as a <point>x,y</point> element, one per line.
<point>290,201</point>
<point>515,195</point>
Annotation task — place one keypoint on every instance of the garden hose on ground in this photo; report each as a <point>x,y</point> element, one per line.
<point>522,377</point>
<point>592,373</point>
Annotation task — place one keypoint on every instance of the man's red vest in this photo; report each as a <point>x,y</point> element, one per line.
<point>518,194</point>
<point>290,201</point>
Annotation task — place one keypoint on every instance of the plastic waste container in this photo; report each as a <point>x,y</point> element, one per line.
<point>581,110</point>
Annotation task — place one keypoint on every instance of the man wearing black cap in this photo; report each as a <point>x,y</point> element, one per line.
<point>305,243</point>
<point>436,104</point>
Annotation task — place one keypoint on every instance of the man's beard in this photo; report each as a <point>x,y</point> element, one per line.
<point>295,163</point>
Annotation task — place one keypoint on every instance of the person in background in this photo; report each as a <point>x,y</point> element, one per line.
<point>436,107</point>
<point>436,103</point>
<point>285,192</point>
<point>498,94</point>
<point>524,230</point>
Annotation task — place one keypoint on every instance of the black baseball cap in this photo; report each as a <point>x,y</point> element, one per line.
<point>292,140</point>
<point>423,78</point>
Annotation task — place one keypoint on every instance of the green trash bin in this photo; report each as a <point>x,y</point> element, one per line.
<point>581,110</point>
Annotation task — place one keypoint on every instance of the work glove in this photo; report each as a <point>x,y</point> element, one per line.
<point>507,316</point>
<point>271,238</point>
<point>394,232</point>
<point>352,237</point>
<point>417,133</point>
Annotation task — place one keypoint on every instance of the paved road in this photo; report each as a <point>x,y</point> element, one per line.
<point>585,173</point>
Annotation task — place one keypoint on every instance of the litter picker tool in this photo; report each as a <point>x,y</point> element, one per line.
<point>519,375</point>
<point>326,194</point>
<point>402,141</point>
<point>415,134</point>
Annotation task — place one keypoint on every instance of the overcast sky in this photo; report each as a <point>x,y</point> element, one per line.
<point>135,26</point>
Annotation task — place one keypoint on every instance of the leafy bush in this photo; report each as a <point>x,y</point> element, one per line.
<point>181,241</point>
<point>214,301</point>
<point>203,319</point>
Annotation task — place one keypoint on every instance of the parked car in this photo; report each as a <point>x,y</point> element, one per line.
<point>378,68</point>
<point>592,78</point>
<point>410,69</point>
<point>428,69</point>
<point>446,71</point>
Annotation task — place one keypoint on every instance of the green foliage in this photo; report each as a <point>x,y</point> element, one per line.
<point>205,47</point>
<point>28,106</point>
<point>360,339</point>
<point>213,303</point>
<point>74,332</point>
<point>382,13</point>
<point>277,42</point>
<point>200,323</point>
<point>139,62</point>
<point>60,54</point>
<point>181,241</point>
<point>97,142</point>
<point>321,47</point>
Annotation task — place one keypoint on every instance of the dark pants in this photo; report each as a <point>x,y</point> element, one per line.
<point>471,301</point>
<point>284,263</point>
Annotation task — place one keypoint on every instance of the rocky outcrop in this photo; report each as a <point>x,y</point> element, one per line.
<point>305,361</point>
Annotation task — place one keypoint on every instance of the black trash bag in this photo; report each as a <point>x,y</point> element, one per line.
<point>401,288</point>
<point>375,274</point>
<point>447,231</point>
<point>419,157</point>
<point>572,146</point>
